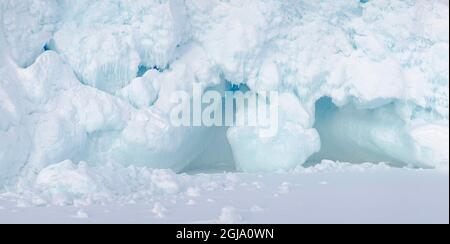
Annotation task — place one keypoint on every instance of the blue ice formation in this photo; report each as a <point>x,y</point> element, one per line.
<point>358,81</point>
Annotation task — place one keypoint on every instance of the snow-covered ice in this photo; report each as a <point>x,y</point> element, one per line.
<point>85,99</point>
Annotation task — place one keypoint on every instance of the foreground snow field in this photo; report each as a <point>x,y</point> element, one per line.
<point>327,193</point>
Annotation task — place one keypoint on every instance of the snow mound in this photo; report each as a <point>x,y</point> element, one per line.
<point>67,183</point>
<point>78,184</point>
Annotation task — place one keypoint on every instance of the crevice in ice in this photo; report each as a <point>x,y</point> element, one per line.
<point>355,135</point>
<point>142,69</point>
<point>50,46</point>
<point>46,47</point>
<point>236,87</point>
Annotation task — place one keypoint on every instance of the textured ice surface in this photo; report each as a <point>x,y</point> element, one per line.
<point>27,27</point>
<point>91,81</point>
<point>106,41</point>
<point>294,142</point>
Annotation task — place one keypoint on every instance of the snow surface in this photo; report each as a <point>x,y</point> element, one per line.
<point>85,91</point>
<point>327,193</point>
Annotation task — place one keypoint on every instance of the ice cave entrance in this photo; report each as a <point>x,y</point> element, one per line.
<point>358,135</point>
<point>217,157</point>
<point>348,134</point>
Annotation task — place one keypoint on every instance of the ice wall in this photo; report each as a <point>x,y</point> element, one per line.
<point>350,134</point>
<point>91,80</point>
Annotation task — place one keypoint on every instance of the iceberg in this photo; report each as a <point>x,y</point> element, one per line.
<point>91,81</point>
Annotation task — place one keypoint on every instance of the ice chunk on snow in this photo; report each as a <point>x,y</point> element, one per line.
<point>67,178</point>
<point>81,214</point>
<point>159,210</point>
<point>229,215</point>
<point>68,183</point>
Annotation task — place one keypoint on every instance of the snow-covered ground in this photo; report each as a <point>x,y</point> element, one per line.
<point>327,193</point>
